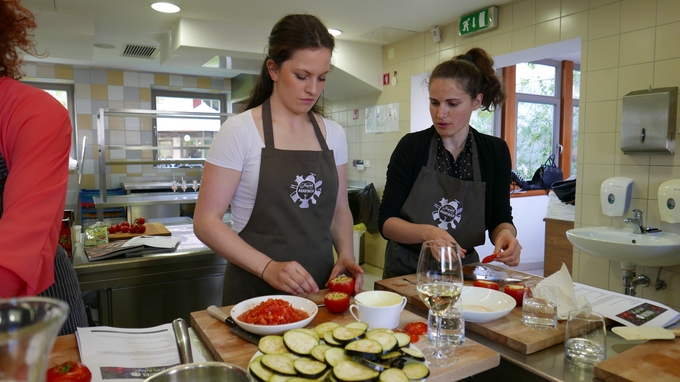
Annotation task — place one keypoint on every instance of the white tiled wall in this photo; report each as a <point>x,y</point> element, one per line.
<point>626,45</point>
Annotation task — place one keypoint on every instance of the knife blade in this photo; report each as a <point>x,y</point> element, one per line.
<point>474,277</point>
<point>233,327</point>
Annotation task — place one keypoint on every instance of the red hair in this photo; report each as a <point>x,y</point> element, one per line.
<point>15,24</point>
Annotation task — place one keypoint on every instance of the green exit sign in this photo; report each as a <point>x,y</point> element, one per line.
<point>479,21</point>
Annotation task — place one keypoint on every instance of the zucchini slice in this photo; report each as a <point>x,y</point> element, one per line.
<point>308,331</point>
<point>279,378</point>
<point>329,340</point>
<point>386,358</point>
<point>292,356</point>
<point>272,345</point>
<point>373,365</point>
<point>350,371</point>
<point>321,329</point>
<point>345,335</point>
<point>387,340</point>
<point>259,372</point>
<point>318,351</point>
<point>416,371</point>
<point>358,325</point>
<point>333,356</point>
<point>310,368</point>
<point>278,364</point>
<point>373,331</point>
<point>322,378</point>
<point>403,338</point>
<point>366,348</point>
<point>299,343</point>
<point>413,353</point>
<point>392,375</point>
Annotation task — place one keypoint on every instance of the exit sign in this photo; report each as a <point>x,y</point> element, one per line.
<point>479,21</point>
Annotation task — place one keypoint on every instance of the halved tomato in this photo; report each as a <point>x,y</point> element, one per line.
<point>336,302</point>
<point>343,284</point>
<point>486,284</point>
<point>515,291</point>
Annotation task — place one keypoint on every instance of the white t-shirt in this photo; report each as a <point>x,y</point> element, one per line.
<point>238,146</point>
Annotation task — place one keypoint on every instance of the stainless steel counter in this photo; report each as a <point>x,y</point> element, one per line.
<point>150,199</point>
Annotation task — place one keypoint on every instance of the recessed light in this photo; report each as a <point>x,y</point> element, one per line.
<point>165,7</point>
<point>334,32</point>
<point>105,46</point>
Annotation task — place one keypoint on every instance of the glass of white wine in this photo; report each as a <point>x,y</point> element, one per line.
<point>439,281</point>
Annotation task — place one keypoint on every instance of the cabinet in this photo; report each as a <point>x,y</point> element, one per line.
<point>558,249</point>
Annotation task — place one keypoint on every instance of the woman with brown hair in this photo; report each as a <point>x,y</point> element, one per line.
<point>282,167</point>
<point>35,140</point>
<point>450,182</point>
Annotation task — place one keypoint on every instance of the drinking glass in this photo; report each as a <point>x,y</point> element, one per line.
<point>539,307</point>
<point>184,185</point>
<point>194,185</point>
<point>439,282</point>
<point>174,184</point>
<point>585,340</point>
<point>452,329</point>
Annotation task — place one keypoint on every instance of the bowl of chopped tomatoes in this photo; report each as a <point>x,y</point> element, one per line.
<point>270,315</point>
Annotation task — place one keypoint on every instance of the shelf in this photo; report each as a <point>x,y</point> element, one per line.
<point>153,199</point>
<point>152,161</point>
<point>113,147</point>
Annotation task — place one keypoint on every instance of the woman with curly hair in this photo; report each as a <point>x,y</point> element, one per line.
<point>35,140</point>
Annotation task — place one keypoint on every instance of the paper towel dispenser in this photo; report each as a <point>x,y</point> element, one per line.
<point>648,121</point>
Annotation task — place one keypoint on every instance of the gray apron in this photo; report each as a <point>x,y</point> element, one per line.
<point>438,199</point>
<point>292,215</point>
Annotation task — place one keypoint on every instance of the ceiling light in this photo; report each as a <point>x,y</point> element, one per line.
<point>334,32</point>
<point>165,7</point>
<point>105,46</point>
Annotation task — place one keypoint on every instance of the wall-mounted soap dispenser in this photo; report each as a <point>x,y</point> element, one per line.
<point>615,195</point>
<point>648,121</point>
<point>669,201</point>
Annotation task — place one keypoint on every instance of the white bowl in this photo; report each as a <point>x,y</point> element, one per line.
<point>484,304</point>
<point>265,330</point>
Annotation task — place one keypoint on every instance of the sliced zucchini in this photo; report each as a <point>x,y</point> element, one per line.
<point>279,378</point>
<point>278,364</point>
<point>366,348</point>
<point>299,343</point>
<point>292,356</point>
<point>387,340</point>
<point>392,375</point>
<point>416,371</point>
<point>403,339</point>
<point>308,331</point>
<point>350,371</point>
<point>373,365</point>
<point>257,359</point>
<point>373,331</point>
<point>329,340</point>
<point>272,345</point>
<point>321,329</point>
<point>259,372</point>
<point>345,335</point>
<point>357,325</point>
<point>302,379</point>
<point>334,356</point>
<point>318,351</point>
<point>413,353</point>
<point>386,358</point>
<point>310,368</point>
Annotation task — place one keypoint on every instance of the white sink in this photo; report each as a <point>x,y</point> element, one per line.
<point>660,249</point>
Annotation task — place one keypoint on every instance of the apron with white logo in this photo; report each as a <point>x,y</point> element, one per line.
<point>438,199</point>
<point>292,214</point>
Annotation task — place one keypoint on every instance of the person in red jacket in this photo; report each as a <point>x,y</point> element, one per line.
<point>35,140</point>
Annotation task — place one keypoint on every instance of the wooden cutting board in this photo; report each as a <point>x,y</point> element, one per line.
<point>508,331</point>
<point>657,360</point>
<point>227,347</point>
<point>152,229</point>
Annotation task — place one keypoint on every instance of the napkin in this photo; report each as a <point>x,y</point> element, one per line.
<point>563,289</point>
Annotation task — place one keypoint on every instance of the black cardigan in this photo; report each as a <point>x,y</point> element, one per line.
<point>411,155</point>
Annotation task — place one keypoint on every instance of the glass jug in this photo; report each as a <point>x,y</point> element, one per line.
<point>28,328</point>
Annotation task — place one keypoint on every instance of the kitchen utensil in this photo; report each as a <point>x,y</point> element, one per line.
<point>585,340</point>
<point>484,304</point>
<point>644,333</point>
<point>301,303</point>
<point>179,326</point>
<point>220,315</point>
<point>205,372</point>
<point>474,277</point>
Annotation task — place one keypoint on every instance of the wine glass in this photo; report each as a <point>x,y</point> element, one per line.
<point>439,282</point>
<point>194,185</point>
<point>184,185</point>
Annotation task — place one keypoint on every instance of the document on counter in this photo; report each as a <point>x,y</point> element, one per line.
<point>627,310</point>
<point>122,354</point>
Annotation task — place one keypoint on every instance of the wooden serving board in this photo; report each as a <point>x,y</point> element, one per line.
<point>656,360</point>
<point>508,331</point>
<point>227,347</point>
<point>152,229</point>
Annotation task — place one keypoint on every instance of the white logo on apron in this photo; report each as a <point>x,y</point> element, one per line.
<point>447,213</point>
<point>306,189</point>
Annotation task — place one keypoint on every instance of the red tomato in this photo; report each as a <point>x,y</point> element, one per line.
<point>418,328</point>
<point>141,229</point>
<point>486,284</point>
<point>140,221</point>
<point>118,227</point>
<point>490,258</point>
<point>336,302</point>
<point>515,291</point>
<point>133,228</point>
<point>112,229</point>
<point>124,229</point>
<point>126,224</point>
<point>69,372</point>
<point>414,337</point>
<point>343,284</point>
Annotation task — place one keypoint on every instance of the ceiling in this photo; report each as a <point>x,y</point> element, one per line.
<point>68,29</point>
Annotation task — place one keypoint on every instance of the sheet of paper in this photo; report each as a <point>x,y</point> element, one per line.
<point>122,354</point>
<point>153,241</point>
<point>627,310</point>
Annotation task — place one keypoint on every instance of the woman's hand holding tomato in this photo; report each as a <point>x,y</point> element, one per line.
<point>69,372</point>
<point>343,283</point>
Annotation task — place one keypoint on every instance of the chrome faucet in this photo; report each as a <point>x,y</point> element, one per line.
<point>636,221</point>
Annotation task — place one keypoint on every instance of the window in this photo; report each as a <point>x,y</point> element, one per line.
<point>185,137</point>
<point>576,94</point>
<point>64,94</point>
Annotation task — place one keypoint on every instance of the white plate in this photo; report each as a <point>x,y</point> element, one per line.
<point>483,304</point>
<point>265,330</point>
